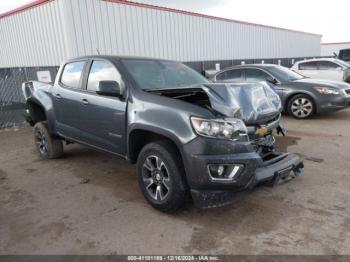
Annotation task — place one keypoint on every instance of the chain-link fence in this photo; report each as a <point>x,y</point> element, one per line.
<point>11,99</point>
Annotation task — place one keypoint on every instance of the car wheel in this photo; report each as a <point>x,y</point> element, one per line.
<point>47,145</point>
<point>301,106</point>
<point>161,176</point>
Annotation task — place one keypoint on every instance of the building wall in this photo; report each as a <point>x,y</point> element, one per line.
<point>34,37</point>
<point>53,31</point>
<point>327,49</point>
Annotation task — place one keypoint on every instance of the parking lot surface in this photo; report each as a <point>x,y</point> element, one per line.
<point>89,203</point>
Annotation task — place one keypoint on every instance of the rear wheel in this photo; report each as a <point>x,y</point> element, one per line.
<point>161,176</point>
<point>47,145</point>
<point>301,106</point>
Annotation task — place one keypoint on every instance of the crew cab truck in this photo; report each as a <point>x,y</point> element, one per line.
<point>188,137</point>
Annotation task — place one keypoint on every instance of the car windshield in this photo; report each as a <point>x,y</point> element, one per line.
<point>342,63</point>
<point>153,74</point>
<point>284,74</point>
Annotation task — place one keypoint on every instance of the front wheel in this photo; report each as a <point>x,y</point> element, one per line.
<point>301,106</point>
<point>161,176</point>
<point>47,145</point>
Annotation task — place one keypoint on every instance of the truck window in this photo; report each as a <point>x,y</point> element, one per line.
<point>72,74</point>
<point>102,71</point>
<point>344,54</point>
<point>308,66</point>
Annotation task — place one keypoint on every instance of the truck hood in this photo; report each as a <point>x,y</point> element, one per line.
<point>254,103</point>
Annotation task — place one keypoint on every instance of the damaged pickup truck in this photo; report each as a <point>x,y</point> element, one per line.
<point>189,138</point>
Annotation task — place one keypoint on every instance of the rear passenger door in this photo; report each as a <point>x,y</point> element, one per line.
<point>103,118</point>
<point>67,99</point>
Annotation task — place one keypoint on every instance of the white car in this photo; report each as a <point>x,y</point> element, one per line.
<point>324,68</point>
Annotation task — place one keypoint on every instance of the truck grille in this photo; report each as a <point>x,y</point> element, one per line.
<point>347,91</point>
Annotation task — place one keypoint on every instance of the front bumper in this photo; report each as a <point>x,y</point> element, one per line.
<point>208,193</point>
<point>333,103</point>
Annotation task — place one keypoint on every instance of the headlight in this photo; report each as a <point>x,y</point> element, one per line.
<point>327,91</point>
<point>233,129</point>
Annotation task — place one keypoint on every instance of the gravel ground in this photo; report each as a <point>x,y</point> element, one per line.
<point>89,203</point>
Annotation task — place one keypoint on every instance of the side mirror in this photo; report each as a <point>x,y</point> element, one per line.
<point>272,80</point>
<point>109,88</point>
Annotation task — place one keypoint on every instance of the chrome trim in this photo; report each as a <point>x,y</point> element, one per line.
<point>270,126</point>
<point>234,172</point>
<point>114,135</point>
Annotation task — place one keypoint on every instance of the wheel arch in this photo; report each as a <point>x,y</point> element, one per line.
<point>290,96</point>
<point>37,112</point>
<point>140,136</point>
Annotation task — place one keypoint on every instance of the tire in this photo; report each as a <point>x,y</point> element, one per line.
<point>48,146</point>
<point>301,106</point>
<point>161,176</point>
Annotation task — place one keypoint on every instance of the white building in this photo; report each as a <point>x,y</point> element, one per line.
<point>46,32</point>
<point>328,49</point>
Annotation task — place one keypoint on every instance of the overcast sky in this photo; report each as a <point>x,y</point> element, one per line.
<point>326,17</point>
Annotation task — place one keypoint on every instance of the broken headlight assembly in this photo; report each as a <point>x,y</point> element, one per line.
<point>232,129</point>
<point>327,90</point>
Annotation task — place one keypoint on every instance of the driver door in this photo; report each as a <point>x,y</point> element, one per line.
<point>103,118</point>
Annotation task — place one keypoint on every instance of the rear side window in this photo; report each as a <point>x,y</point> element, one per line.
<point>327,65</point>
<point>72,74</point>
<point>230,75</point>
<point>308,66</point>
<point>102,71</point>
<point>255,75</point>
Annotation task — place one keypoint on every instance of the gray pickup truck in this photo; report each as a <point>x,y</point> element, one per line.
<point>189,138</point>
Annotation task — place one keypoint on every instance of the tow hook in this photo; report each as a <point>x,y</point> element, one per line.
<point>286,175</point>
<point>281,130</point>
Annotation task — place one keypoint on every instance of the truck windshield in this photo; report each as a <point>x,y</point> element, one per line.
<point>345,54</point>
<point>284,74</point>
<point>151,74</point>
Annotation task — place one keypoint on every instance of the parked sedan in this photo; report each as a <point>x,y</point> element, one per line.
<point>301,96</point>
<point>324,68</point>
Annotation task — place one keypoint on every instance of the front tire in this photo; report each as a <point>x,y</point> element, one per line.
<point>301,106</point>
<point>48,146</point>
<point>161,176</point>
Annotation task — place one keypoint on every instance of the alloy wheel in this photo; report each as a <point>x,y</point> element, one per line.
<point>302,107</point>
<point>156,178</point>
<point>41,142</point>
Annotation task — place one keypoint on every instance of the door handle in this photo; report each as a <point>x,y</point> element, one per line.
<point>58,96</point>
<point>85,101</point>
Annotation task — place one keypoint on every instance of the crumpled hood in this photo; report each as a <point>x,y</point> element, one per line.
<point>324,83</point>
<point>252,102</point>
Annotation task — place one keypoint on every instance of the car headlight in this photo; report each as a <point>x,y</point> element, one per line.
<point>327,91</point>
<point>233,129</point>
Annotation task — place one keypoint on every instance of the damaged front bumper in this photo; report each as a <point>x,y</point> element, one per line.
<point>274,169</point>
